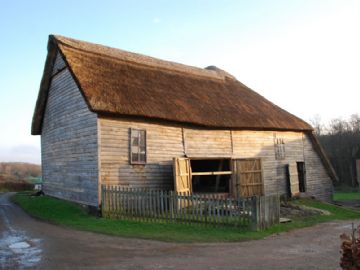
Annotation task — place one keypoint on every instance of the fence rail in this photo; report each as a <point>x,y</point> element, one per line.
<point>169,206</point>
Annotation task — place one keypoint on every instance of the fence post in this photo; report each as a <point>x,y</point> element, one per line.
<point>102,200</point>
<point>255,213</point>
<point>171,205</point>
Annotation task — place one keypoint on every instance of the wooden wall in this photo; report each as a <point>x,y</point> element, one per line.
<point>261,144</point>
<point>69,142</point>
<point>207,143</point>
<point>317,179</point>
<point>165,142</point>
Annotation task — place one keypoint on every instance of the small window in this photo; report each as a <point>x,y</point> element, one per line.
<point>137,146</point>
<point>279,145</point>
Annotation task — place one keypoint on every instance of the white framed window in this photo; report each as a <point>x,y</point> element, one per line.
<point>137,146</point>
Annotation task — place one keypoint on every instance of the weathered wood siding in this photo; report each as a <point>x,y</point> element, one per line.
<point>207,143</point>
<point>165,142</point>
<point>261,144</point>
<point>69,142</point>
<point>58,64</point>
<point>318,183</point>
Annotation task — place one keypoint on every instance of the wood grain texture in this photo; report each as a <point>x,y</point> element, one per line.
<point>318,182</point>
<point>69,143</point>
<point>163,144</point>
<point>166,142</point>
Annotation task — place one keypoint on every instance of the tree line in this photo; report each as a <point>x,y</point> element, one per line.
<point>19,170</point>
<point>341,140</point>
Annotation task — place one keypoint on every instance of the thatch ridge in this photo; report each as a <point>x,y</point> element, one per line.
<point>120,83</point>
<point>138,59</point>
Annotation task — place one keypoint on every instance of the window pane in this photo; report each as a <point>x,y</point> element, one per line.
<point>135,141</point>
<point>142,157</point>
<point>135,149</point>
<point>135,157</point>
<point>134,133</point>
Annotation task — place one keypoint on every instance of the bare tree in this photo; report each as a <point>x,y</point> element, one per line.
<point>342,143</point>
<point>315,121</point>
<point>355,123</point>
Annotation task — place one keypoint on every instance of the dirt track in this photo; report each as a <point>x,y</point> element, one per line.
<point>26,243</point>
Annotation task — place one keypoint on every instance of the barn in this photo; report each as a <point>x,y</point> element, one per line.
<point>111,117</point>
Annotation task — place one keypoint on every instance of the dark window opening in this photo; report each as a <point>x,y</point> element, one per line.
<point>211,175</point>
<point>301,175</point>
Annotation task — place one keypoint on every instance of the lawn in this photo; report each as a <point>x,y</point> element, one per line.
<point>346,196</point>
<point>74,216</point>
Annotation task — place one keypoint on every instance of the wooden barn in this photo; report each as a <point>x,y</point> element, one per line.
<point>108,116</point>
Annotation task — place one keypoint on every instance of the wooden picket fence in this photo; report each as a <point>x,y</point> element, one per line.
<point>169,206</point>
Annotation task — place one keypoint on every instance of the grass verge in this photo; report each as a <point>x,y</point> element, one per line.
<point>74,216</point>
<point>346,196</point>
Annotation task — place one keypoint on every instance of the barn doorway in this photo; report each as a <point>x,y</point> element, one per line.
<point>198,175</point>
<point>238,177</point>
<point>295,178</point>
<point>210,175</point>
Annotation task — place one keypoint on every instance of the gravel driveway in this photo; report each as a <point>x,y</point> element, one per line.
<point>26,243</point>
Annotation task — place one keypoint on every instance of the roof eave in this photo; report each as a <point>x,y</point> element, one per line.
<point>144,118</point>
<point>44,85</point>
<point>323,157</point>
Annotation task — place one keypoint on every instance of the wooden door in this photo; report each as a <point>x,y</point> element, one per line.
<point>247,178</point>
<point>182,175</point>
<point>293,179</point>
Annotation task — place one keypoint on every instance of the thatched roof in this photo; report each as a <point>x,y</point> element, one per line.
<point>121,83</point>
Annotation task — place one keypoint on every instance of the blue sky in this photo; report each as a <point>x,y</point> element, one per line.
<point>302,55</point>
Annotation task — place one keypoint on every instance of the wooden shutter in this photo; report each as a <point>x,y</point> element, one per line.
<point>182,175</point>
<point>294,179</point>
<point>247,177</point>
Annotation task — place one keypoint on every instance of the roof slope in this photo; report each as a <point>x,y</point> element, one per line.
<point>116,82</point>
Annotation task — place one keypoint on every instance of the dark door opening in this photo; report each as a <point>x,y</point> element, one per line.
<point>301,175</point>
<point>288,183</point>
<point>211,175</point>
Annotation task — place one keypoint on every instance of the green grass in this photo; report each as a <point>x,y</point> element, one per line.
<point>346,196</point>
<point>74,216</point>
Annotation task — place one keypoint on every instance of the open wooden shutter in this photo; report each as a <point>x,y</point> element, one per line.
<point>247,177</point>
<point>182,175</point>
<point>294,179</point>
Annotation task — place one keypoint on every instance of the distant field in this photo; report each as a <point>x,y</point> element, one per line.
<point>17,176</point>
